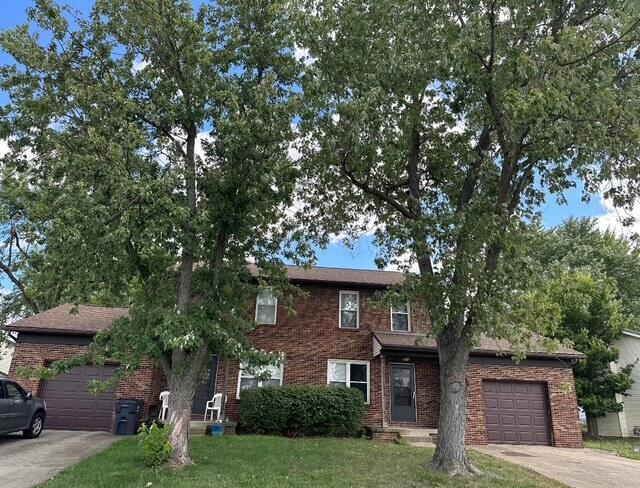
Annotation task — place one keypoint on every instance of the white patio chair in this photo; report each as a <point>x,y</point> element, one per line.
<point>214,404</point>
<point>164,409</point>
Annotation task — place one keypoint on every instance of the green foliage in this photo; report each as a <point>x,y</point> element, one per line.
<point>157,139</point>
<point>154,446</point>
<point>445,126</point>
<point>302,410</point>
<point>578,244</point>
<point>590,317</point>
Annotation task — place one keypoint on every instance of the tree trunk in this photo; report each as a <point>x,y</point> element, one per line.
<point>451,451</point>
<point>182,388</point>
<point>592,427</point>
<point>225,387</point>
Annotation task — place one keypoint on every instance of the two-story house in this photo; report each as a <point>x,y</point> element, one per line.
<point>341,335</point>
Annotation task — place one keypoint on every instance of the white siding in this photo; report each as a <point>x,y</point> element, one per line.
<point>621,424</point>
<point>5,358</point>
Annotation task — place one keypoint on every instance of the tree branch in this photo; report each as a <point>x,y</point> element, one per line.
<point>365,187</point>
<point>14,279</point>
<point>603,47</point>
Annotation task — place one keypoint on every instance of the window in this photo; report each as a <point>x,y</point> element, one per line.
<point>266,307</point>
<point>253,377</point>
<point>14,391</point>
<point>400,318</point>
<point>352,374</point>
<point>349,310</point>
<point>1,391</point>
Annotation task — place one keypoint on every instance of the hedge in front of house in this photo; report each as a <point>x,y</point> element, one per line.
<point>302,410</point>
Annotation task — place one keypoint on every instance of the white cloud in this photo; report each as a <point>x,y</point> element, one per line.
<point>302,54</point>
<point>140,64</point>
<point>203,137</point>
<point>4,147</point>
<point>614,218</point>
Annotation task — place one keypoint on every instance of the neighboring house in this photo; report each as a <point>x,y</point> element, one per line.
<point>625,423</point>
<point>337,336</point>
<point>6,352</point>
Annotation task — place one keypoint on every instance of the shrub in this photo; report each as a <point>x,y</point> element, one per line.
<point>154,445</point>
<point>302,410</point>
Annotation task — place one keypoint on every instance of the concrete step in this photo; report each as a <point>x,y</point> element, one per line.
<point>425,436</point>
<point>198,427</point>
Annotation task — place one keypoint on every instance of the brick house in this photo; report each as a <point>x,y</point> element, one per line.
<point>339,334</point>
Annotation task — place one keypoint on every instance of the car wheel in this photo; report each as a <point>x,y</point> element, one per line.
<point>35,429</point>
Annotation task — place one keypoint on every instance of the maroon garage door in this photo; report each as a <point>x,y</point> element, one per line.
<point>516,413</point>
<point>71,406</point>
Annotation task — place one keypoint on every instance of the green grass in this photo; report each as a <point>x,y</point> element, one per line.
<point>621,447</point>
<point>270,462</point>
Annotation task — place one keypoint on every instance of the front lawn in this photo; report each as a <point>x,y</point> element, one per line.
<point>621,447</point>
<point>270,462</point>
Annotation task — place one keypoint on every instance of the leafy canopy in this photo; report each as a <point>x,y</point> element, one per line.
<point>157,140</point>
<point>445,125</point>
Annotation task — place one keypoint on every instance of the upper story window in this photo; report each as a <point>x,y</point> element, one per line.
<point>352,374</point>
<point>349,310</point>
<point>266,307</point>
<point>249,377</point>
<point>400,317</point>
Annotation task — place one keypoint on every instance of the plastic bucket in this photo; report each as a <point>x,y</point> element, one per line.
<point>217,430</point>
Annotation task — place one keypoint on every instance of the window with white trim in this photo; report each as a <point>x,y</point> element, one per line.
<point>349,310</point>
<point>266,307</point>
<point>400,317</point>
<point>255,377</point>
<point>352,374</point>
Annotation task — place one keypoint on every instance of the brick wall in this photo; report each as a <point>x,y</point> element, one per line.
<point>560,388</point>
<point>144,385</point>
<point>311,337</point>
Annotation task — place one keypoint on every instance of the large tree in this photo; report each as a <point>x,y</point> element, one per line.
<point>112,109</point>
<point>447,124</point>
<point>589,314</point>
<point>578,244</point>
<point>589,289</point>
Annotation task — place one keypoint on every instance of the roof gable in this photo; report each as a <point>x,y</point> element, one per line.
<point>88,320</point>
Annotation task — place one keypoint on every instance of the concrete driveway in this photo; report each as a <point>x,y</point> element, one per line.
<point>579,468</point>
<point>27,462</point>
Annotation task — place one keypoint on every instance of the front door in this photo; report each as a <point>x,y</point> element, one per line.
<point>205,389</point>
<point>403,393</point>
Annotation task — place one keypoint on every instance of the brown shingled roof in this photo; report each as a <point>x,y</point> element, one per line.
<point>88,320</point>
<point>365,277</point>
<point>419,342</point>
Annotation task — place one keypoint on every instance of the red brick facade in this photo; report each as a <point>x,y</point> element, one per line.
<point>311,336</point>
<point>144,385</point>
<point>561,392</point>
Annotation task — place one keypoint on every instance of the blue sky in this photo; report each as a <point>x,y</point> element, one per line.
<point>13,12</point>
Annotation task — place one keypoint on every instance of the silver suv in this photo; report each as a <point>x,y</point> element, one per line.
<point>20,410</point>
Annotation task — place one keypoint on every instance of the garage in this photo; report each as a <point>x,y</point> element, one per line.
<point>70,406</point>
<point>516,412</point>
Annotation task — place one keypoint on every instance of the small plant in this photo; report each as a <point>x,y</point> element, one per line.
<point>154,445</point>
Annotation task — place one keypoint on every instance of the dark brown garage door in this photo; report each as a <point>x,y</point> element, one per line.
<point>71,406</point>
<point>516,413</point>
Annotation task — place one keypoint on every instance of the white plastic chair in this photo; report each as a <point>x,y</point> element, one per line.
<point>214,404</point>
<point>164,410</point>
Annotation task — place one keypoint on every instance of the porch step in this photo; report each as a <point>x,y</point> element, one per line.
<point>419,437</point>
<point>198,427</point>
